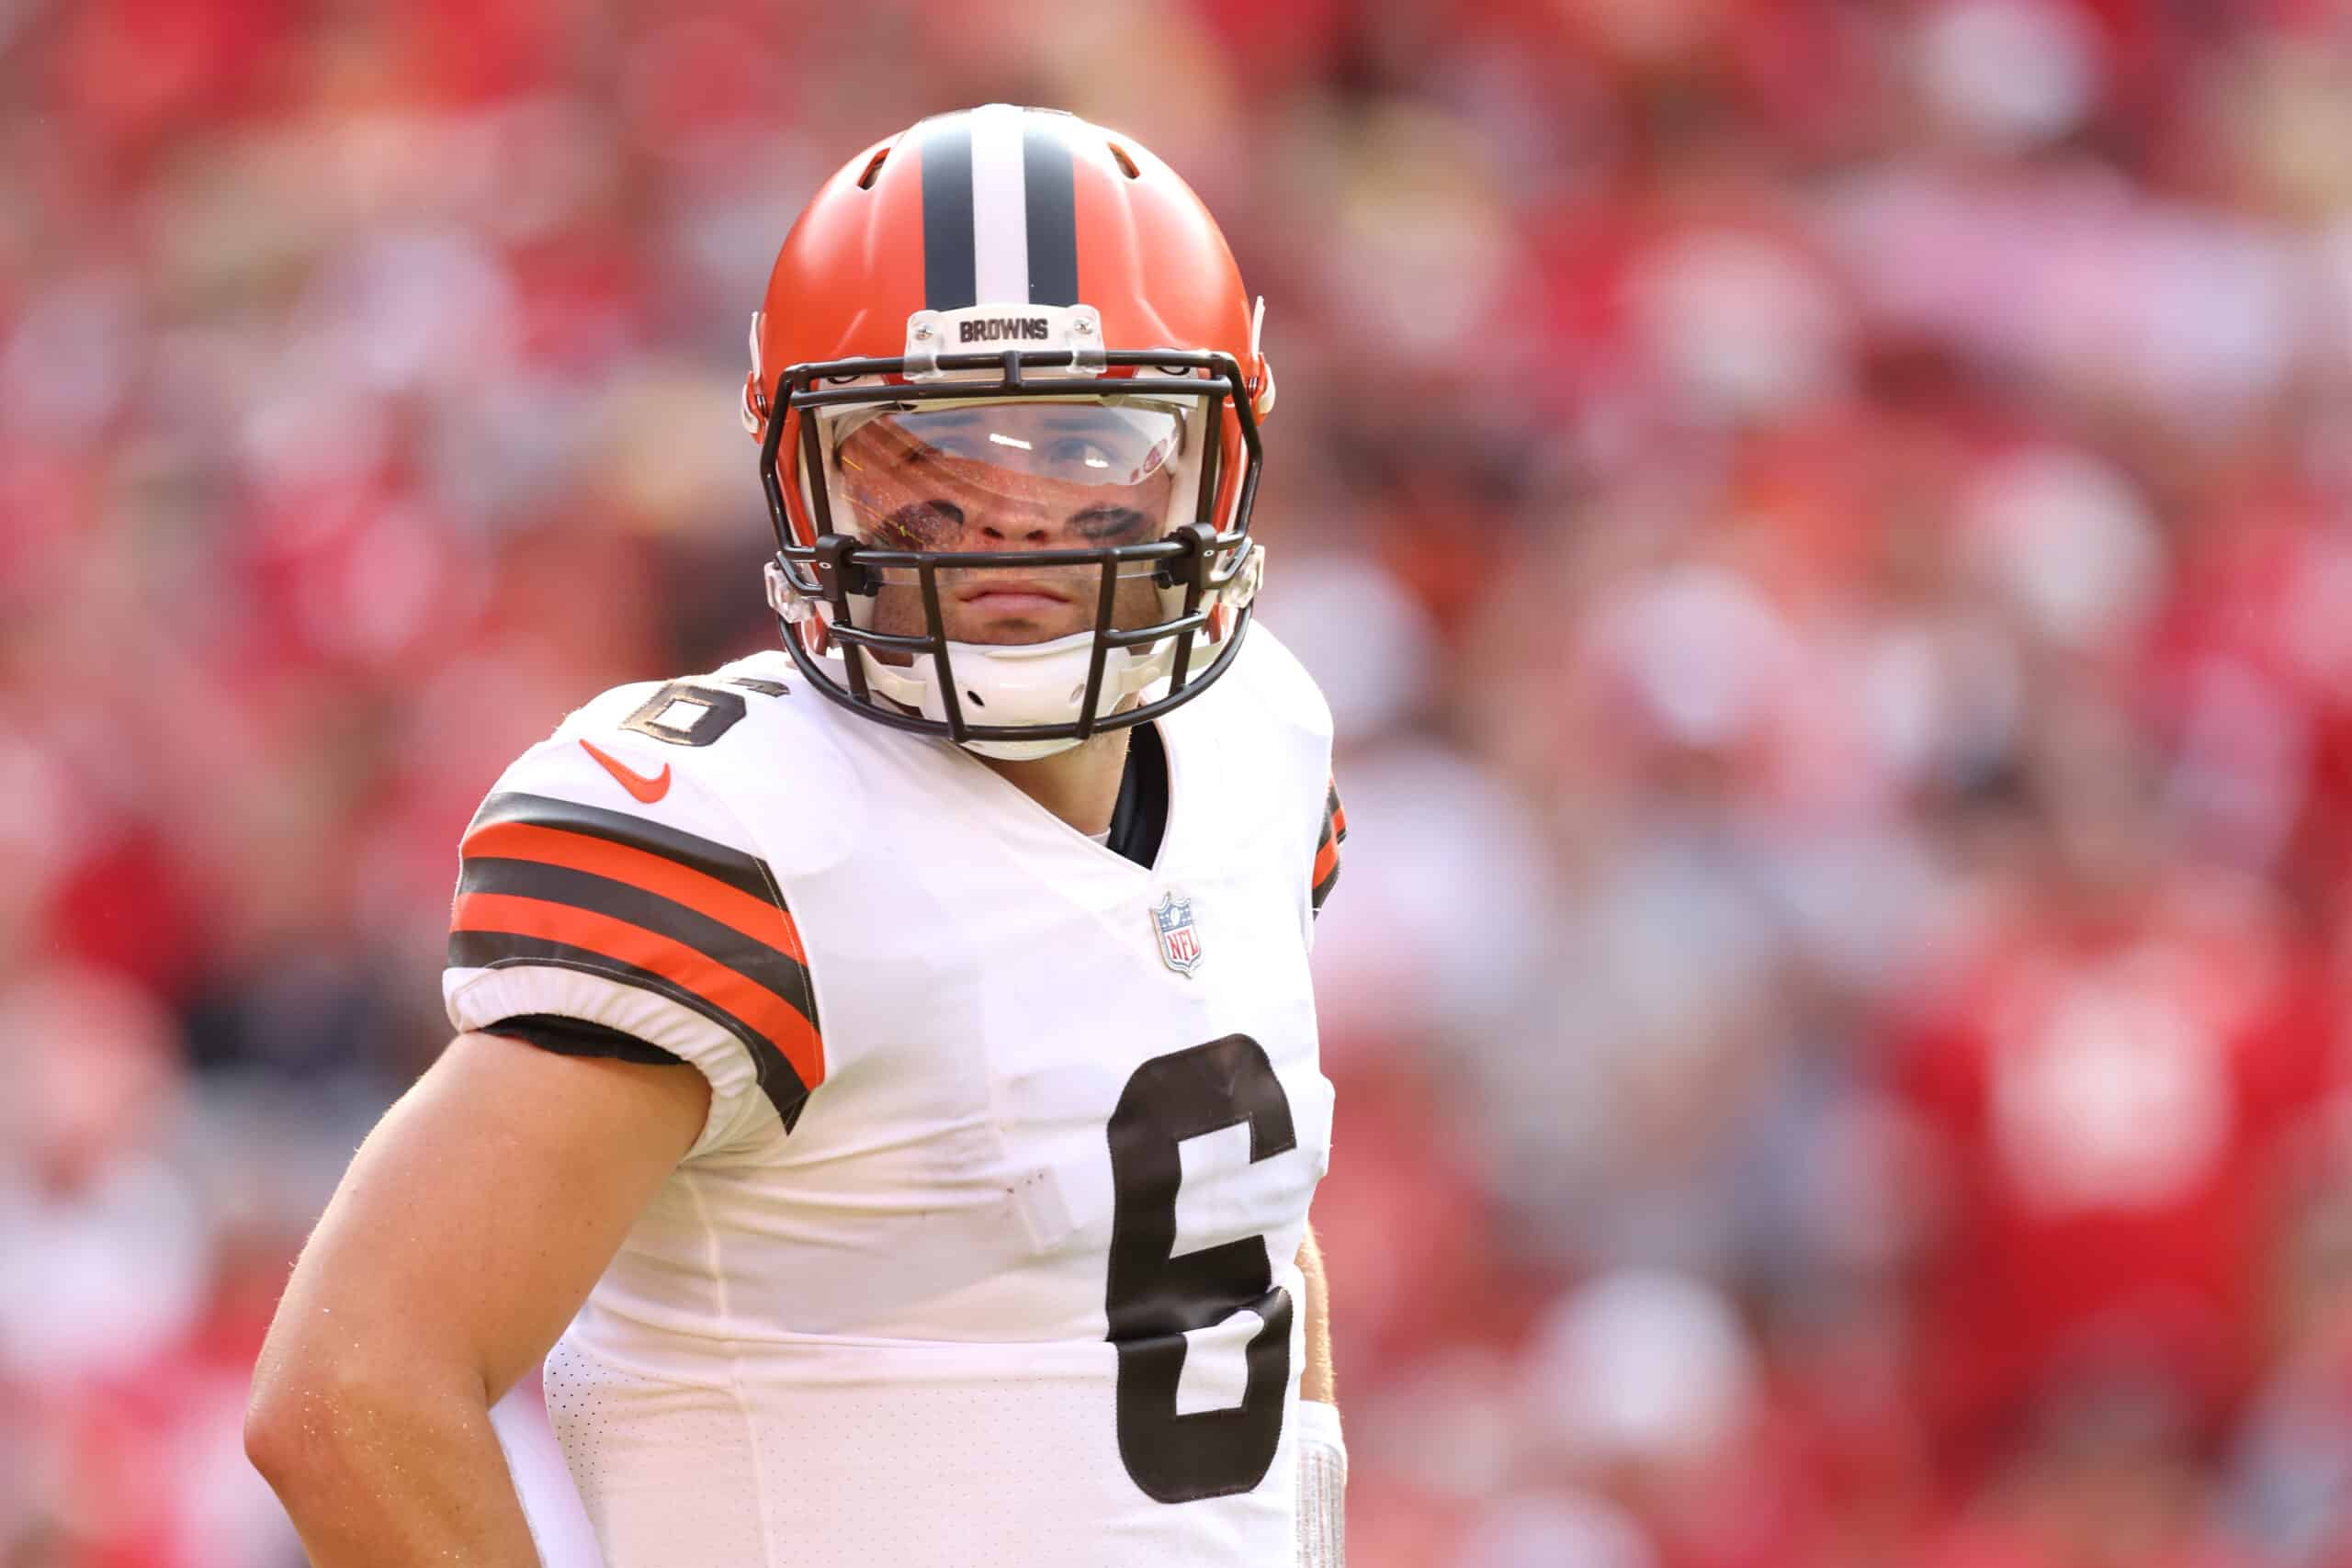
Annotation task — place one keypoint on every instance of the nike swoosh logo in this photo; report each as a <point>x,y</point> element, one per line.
<point>645,789</point>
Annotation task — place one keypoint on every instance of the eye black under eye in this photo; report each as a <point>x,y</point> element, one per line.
<point>1109,522</point>
<point>920,526</point>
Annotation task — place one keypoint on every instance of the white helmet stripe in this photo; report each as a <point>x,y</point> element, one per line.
<point>999,208</point>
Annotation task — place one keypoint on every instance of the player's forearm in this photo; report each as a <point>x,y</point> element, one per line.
<point>1322,1456</point>
<point>391,1476</point>
<point>1315,1380</point>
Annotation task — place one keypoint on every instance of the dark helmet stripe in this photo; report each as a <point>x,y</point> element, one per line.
<point>945,150</point>
<point>1053,213</point>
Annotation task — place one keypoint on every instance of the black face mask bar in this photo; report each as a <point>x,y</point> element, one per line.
<point>838,565</point>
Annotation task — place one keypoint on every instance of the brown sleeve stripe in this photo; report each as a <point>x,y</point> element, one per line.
<point>746,874</point>
<point>500,950</point>
<point>758,917</point>
<point>1327,850</point>
<point>1335,818</point>
<point>773,1016</point>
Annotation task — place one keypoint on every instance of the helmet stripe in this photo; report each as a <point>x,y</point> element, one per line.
<point>946,156</point>
<point>1052,216</point>
<point>1000,204</point>
<point>1000,211</point>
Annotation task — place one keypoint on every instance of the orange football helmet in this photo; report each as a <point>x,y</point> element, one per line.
<point>1008,310</point>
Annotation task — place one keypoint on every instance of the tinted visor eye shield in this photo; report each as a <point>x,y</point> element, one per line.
<point>1019,462</point>
<point>970,477</point>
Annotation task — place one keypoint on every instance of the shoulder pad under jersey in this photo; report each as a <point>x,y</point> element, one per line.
<point>1272,676</point>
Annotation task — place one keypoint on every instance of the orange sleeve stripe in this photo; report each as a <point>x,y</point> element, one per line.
<point>1338,819</point>
<point>728,989</point>
<point>755,917</point>
<point>1325,860</point>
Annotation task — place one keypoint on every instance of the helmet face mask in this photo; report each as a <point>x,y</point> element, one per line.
<point>1013,548</point>
<point>1203,577</point>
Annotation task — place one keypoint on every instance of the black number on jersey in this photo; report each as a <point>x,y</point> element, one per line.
<point>1153,1298</point>
<point>686,714</point>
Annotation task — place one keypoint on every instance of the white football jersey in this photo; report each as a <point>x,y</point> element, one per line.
<point>987,1254</point>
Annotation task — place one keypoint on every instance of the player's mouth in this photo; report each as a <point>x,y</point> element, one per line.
<point>1012,596</point>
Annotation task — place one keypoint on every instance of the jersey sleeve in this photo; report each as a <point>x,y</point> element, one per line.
<point>580,898</point>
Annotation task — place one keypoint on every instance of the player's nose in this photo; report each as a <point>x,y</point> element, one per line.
<point>1019,525</point>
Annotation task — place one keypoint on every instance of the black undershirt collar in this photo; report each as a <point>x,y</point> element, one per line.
<point>1140,818</point>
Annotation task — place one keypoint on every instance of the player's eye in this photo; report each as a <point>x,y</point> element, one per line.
<point>1083,453</point>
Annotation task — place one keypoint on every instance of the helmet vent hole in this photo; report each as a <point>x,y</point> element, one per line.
<point>1126,164</point>
<point>973,698</point>
<point>865,180</point>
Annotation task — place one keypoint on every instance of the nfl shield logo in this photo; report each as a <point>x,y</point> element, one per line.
<point>1180,940</point>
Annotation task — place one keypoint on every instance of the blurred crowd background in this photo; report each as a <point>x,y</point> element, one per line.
<point>1827,528</point>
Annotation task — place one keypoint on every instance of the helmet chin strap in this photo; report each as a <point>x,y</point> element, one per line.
<point>1018,684</point>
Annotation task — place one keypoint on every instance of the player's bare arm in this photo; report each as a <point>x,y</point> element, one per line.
<point>1315,1380</point>
<point>470,1227</point>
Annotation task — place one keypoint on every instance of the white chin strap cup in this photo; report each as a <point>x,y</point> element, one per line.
<point>1031,683</point>
<point>1042,682</point>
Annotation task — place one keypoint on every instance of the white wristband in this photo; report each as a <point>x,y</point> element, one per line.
<point>1322,1487</point>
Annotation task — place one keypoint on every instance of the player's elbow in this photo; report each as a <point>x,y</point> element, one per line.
<point>298,1419</point>
<point>314,1414</point>
<point>273,1436</point>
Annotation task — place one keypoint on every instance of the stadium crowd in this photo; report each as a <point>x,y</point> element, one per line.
<point>1826,525</point>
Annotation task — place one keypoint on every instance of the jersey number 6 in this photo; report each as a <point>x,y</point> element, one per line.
<point>1153,1298</point>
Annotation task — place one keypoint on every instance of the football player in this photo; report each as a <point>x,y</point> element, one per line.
<point>885,1090</point>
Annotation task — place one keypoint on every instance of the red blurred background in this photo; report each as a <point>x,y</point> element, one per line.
<point>1827,528</point>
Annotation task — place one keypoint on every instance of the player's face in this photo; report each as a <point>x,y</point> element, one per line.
<point>1011,476</point>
